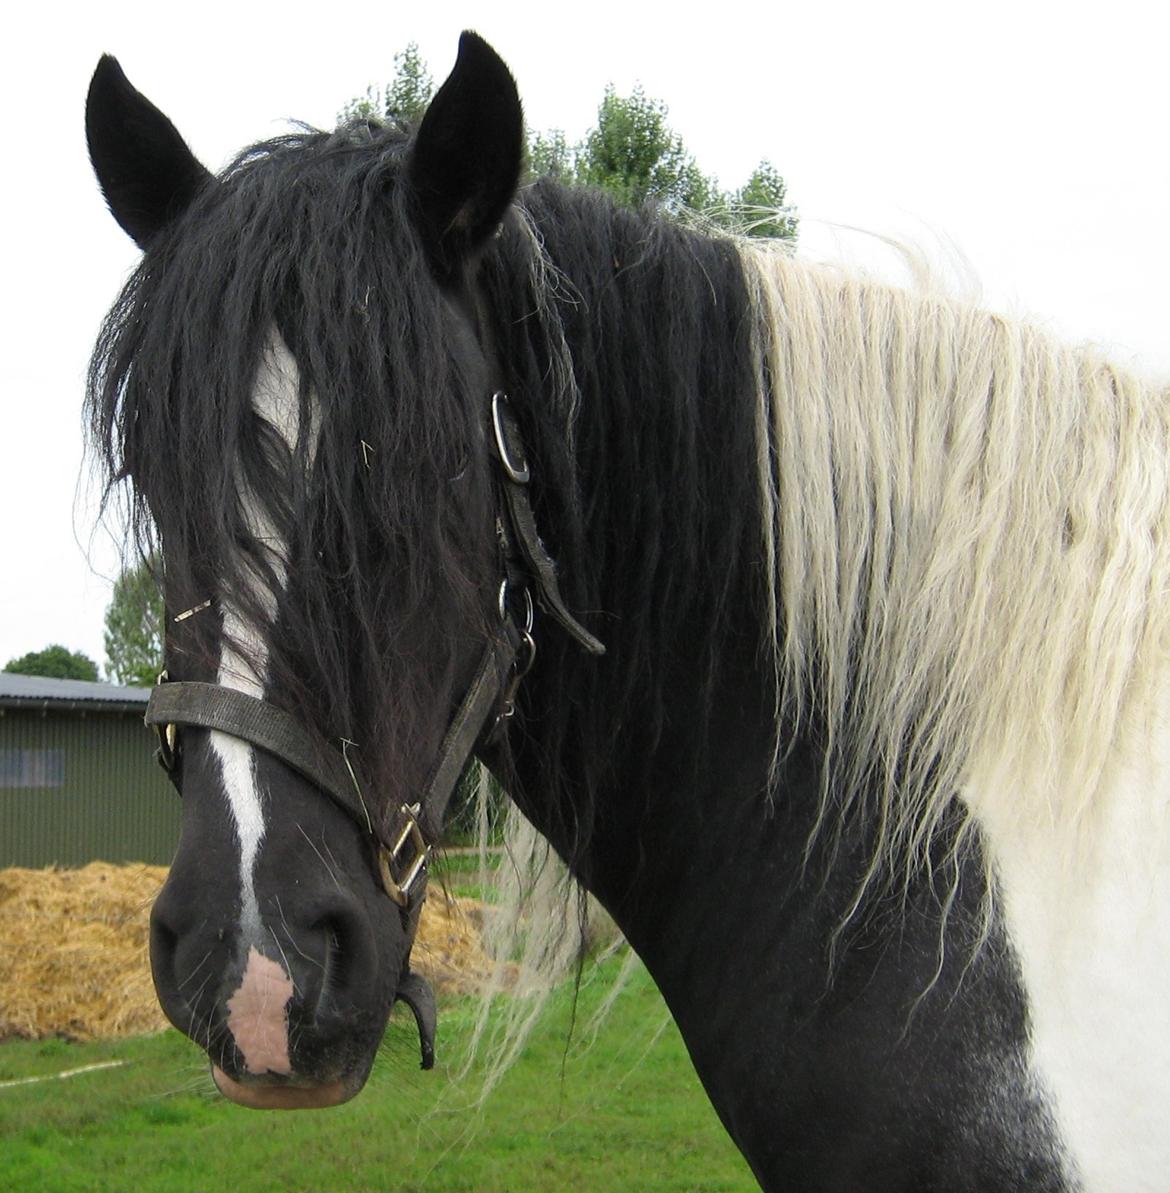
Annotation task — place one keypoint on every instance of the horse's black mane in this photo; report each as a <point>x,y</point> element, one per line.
<point>660,550</point>
<point>645,472</point>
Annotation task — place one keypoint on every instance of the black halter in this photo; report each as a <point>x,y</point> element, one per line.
<point>403,855</point>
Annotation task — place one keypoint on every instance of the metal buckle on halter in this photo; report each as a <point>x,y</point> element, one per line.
<point>168,737</point>
<point>516,471</point>
<point>521,665</point>
<point>168,740</point>
<point>389,857</point>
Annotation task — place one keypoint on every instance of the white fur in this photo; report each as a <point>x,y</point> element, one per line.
<point>276,399</point>
<point>967,524</point>
<point>1090,923</point>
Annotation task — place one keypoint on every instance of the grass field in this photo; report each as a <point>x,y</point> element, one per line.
<point>626,1113</point>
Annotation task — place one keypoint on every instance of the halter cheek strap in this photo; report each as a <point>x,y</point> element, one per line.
<point>403,854</point>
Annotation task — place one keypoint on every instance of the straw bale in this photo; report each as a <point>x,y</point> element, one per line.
<point>73,950</point>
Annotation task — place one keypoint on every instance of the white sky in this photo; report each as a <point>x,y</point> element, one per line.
<point>1029,137</point>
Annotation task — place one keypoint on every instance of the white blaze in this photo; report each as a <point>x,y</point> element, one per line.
<point>276,400</point>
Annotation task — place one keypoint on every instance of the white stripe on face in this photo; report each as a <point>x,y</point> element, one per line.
<point>276,400</point>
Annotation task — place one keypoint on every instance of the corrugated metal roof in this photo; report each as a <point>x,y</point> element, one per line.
<point>21,691</point>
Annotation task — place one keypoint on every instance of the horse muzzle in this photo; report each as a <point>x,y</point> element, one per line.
<point>266,1094</point>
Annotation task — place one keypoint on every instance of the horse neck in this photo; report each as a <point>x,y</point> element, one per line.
<point>648,495</point>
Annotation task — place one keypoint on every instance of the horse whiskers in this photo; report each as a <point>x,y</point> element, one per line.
<point>284,956</point>
<point>196,969</point>
<point>328,869</point>
<point>292,940</point>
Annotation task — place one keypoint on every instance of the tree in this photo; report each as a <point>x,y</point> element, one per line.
<point>54,662</point>
<point>134,626</point>
<point>549,156</point>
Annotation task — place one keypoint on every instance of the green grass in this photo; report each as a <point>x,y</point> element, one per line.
<point>458,873</point>
<point>624,1114</point>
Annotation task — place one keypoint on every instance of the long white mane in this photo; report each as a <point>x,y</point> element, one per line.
<point>968,527</point>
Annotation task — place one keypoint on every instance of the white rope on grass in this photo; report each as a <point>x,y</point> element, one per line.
<point>105,1064</point>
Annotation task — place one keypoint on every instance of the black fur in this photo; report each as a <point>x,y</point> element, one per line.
<point>466,159</point>
<point>389,564</point>
<point>124,130</point>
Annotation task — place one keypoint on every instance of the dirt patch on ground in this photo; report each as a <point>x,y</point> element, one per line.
<point>73,950</point>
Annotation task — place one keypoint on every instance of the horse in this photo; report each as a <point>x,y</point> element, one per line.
<point>818,626</point>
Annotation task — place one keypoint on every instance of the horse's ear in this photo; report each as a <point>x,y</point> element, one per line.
<point>145,170</point>
<point>465,162</point>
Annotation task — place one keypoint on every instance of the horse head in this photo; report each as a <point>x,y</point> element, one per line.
<point>297,386</point>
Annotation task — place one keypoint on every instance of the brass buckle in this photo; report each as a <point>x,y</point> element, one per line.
<point>168,736</point>
<point>390,857</point>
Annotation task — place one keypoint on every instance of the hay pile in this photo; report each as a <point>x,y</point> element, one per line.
<point>73,950</point>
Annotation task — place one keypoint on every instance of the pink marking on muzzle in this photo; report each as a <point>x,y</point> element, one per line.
<point>258,1015</point>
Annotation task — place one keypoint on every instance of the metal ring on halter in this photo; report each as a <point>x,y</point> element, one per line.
<point>517,470</point>
<point>529,610</point>
<point>168,736</point>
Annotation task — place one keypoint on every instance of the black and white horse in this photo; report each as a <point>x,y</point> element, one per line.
<point>872,769</point>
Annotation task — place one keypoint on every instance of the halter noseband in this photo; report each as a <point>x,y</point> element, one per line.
<point>403,854</point>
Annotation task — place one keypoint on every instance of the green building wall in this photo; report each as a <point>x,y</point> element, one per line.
<point>78,787</point>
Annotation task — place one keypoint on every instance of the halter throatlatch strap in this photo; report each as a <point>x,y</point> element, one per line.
<point>526,541</point>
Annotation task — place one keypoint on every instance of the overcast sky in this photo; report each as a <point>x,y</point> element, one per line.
<point>1027,138</point>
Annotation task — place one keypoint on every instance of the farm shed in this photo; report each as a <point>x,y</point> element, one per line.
<point>78,779</point>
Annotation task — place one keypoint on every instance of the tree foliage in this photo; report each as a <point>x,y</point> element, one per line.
<point>134,626</point>
<point>631,152</point>
<point>759,206</point>
<point>404,98</point>
<point>551,156</point>
<point>54,662</point>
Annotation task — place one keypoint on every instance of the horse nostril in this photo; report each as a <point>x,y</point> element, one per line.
<point>336,968</point>
<point>338,937</point>
<point>166,949</point>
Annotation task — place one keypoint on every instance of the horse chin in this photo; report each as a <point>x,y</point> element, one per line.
<point>261,1095</point>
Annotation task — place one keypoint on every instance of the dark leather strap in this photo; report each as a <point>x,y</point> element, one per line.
<point>210,706</point>
<point>465,730</point>
<point>509,450</point>
<point>415,991</point>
